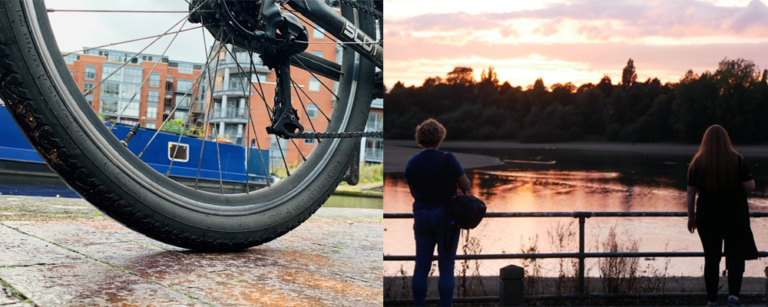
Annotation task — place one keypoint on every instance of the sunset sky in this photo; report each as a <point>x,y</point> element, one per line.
<point>570,40</point>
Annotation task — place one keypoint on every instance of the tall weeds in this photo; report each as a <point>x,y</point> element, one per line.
<point>618,274</point>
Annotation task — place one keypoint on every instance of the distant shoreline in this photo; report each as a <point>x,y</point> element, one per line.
<point>667,148</point>
<point>396,157</point>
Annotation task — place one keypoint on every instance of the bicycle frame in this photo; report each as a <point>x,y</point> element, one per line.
<point>340,28</point>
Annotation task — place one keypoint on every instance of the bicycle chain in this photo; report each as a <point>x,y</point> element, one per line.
<point>341,135</point>
<point>368,10</point>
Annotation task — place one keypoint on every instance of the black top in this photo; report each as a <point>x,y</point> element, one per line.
<point>431,181</point>
<point>729,201</point>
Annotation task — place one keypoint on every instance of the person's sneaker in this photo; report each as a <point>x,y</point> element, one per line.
<point>734,302</point>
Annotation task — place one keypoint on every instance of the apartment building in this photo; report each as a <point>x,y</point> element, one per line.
<point>168,85</point>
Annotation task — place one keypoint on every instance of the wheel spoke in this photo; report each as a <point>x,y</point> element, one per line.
<point>138,54</point>
<point>305,109</point>
<point>209,108</point>
<point>131,41</point>
<point>313,75</point>
<point>297,148</point>
<point>248,107</point>
<point>287,171</point>
<point>208,63</point>
<point>313,102</point>
<point>120,115</point>
<point>248,76</point>
<point>115,11</point>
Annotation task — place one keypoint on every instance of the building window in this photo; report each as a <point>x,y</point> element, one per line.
<point>182,115</point>
<point>70,59</point>
<point>90,72</point>
<point>132,74</point>
<point>150,125</point>
<point>318,33</point>
<point>314,84</point>
<point>132,109</point>
<point>154,80</point>
<point>129,91</point>
<point>259,77</point>
<point>182,101</point>
<point>108,106</point>
<point>312,110</point>
<point>106,70</point>
<point>115,57</point>
<point>183,85</point>
<point>309,141</point>
<point>110,90</point>
<point>375,122</point>
<point>185,68</point>
<point>152,99</point>
<point>87,86</point>
<point>318,53</point>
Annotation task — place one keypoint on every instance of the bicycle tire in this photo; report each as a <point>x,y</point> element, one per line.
<point>54,116</point>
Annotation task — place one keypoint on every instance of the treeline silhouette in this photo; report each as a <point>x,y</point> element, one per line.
<point>734,96</point>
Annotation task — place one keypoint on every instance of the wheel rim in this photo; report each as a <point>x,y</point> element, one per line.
<point>135,170</point>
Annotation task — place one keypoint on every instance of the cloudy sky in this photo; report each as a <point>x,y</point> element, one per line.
<point>73,31</point>
<point>570,40</point>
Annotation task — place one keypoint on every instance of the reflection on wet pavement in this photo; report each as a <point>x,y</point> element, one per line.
<point>103,263</point>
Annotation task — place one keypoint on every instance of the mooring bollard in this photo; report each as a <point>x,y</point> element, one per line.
<point>512,288</point>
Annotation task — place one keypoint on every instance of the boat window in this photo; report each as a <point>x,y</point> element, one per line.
<point>181,154</point>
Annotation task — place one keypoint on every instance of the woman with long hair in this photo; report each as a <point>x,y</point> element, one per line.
<point>721,177</point>
<point>432,177</point>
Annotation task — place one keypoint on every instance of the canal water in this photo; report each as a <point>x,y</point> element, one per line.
<point>555,180</point>
<point>53,186</point>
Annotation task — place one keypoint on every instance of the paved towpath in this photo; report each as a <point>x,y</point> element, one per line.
<point>63,252</point>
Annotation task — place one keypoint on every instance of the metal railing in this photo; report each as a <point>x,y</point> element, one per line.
<point>231,113</point>
<point>581,254</point>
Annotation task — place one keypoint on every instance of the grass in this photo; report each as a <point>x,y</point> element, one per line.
<point>369,172</point>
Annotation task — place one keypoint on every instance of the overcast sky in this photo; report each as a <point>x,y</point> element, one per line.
<point>570,40</point>
<point>75,30</point>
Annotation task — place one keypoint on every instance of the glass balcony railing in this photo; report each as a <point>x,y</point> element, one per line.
<point>374,154</point>
<point>231,113</point>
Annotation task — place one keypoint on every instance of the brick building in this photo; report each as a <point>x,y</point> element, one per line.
<point>153,102</point>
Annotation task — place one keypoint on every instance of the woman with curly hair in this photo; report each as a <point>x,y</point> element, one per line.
<point>721,177</point>
<point>432,176</point>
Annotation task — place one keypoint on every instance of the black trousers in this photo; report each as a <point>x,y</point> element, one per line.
<point>713,232</point>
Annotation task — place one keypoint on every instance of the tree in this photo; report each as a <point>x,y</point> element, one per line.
<point>628,75</point>
<point>489,76</point>
<point>605,86</point>
<point>460,75</point>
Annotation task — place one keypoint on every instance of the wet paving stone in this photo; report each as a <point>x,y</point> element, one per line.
<point>100,262</point>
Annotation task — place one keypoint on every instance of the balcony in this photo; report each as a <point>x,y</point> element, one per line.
<point>233,115</point>
<point>234,89</point>
<point>243,60</point>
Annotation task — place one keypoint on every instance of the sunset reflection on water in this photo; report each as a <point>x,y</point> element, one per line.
<point>577,181</point>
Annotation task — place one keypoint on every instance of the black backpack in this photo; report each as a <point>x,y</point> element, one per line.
<point>465,210</point>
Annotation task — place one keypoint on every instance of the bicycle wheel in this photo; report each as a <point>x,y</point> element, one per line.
<point>46,103</point>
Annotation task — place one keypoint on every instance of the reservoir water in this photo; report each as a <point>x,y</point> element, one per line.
<point>554,180</point>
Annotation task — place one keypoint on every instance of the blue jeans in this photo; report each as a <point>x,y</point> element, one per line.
<point>430,228</point>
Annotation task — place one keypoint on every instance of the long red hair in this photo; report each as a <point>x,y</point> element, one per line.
<point>716,163</point>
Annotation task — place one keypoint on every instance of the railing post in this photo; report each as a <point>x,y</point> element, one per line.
<point>582,219</point>
<point>511,289</point>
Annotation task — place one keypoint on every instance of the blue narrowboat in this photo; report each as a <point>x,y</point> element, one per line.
<point>18,157</point>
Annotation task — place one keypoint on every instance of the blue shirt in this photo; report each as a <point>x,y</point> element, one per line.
<point>432,180</point>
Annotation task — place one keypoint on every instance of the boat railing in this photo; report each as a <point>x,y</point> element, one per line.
<point>517,296</point>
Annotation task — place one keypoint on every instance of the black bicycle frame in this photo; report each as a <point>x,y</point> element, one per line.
<point>340,28</point>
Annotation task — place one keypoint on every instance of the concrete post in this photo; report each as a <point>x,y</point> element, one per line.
<point>512,288</point>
